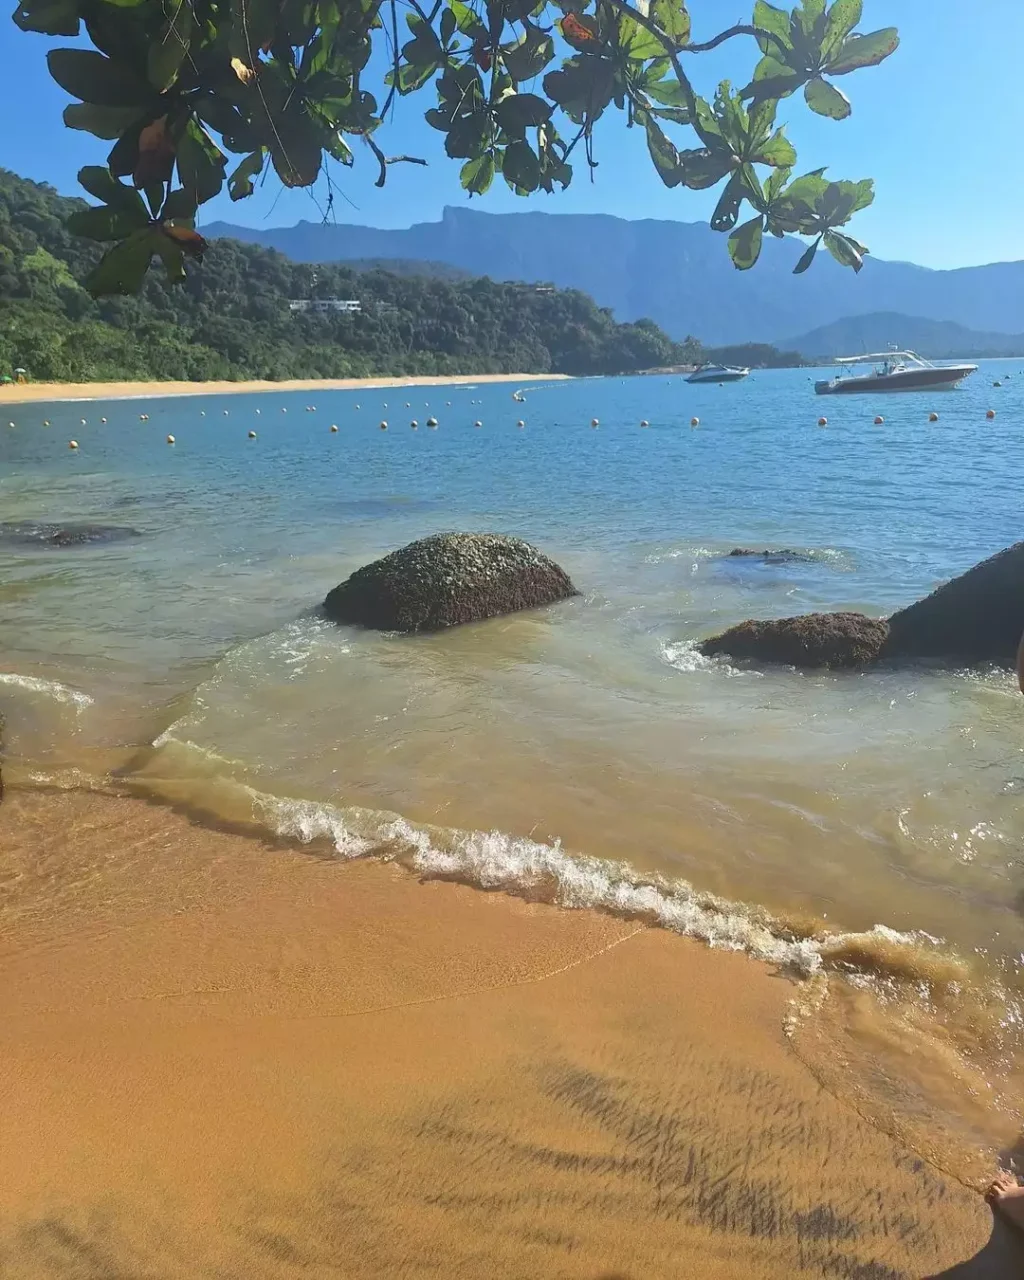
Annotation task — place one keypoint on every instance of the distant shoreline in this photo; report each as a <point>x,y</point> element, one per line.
<point>47,392</point>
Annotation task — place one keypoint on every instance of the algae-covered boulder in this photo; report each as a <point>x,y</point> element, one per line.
<point>814,640</point>
<point>448,579</point>
<point>975,618</point>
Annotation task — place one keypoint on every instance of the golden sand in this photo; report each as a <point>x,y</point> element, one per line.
<point>224,1058</point>
<point>25,392</point>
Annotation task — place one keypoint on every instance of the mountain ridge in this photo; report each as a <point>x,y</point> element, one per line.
<point>877,331</point>
<point>675,273</point>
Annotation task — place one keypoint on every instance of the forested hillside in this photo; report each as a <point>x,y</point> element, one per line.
<point>231,319</point>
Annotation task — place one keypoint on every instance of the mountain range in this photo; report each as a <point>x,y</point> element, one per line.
<point>933,339</point>
<point>675,273</point>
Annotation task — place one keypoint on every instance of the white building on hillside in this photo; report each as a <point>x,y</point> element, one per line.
<point>322,305</point>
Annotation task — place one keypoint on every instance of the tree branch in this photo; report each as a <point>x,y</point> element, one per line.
<point>741,29</point>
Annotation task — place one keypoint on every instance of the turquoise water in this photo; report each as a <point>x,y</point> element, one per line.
<point>586,752</point>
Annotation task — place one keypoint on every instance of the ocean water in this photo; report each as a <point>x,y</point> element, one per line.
<point>868,826</point>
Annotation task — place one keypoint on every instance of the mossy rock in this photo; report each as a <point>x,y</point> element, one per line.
<point>446,580</point>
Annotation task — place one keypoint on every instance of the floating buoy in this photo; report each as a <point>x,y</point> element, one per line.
<point>645,423</point>
<point>144,417</point>
<point>520,424</point>
<point>357,406</point>
<point>594,422</point>
<point>414,424</point>
<point>225,413</point>
<point>431,422</point>
<point>258,411</point>
<point>102,419</point>
<point>334,426</point>
<point>695,422</point>
<point>46,422</point>
<point>933,417</point>
<point>407,405</point>
<point>10,424</point>
<point>478,424</point>
<point>312,408</point>
<point>283,409</point>
<point>448,403</point>
<point>383,426</point>
<point>252,435</point>
<point>202,413</point>
<point>170,439</point>
<point>997,384</point>
<point>990,414</point>
<point>72,444</point>
<point>82,421</point>
<point>879,420</point>
<point>823,422</point>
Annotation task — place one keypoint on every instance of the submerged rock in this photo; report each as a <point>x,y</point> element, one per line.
<point>785,556</point>
<point>447,579</point>
<point>836,640</point>
<point>30,533</point>
<point>975,618</point>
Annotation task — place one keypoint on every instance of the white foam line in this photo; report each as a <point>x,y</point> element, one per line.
<point>50,688</point>
<point>493,860</point>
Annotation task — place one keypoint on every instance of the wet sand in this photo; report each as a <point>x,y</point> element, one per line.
<point>28,392</point>
<point>220,1057</point>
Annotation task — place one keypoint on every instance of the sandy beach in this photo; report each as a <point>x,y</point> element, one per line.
<point>48,392</point>
<point>224,1057</point>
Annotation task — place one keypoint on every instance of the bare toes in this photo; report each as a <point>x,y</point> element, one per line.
<point>1002,1183</point>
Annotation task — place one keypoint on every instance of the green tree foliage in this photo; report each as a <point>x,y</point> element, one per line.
<point>196,94</point>
<point>232,320</point>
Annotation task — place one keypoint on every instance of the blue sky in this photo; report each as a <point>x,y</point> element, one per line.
<point>937,126</point>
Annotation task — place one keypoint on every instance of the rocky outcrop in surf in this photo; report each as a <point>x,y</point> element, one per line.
<point>29,533</point>
<point>975,618</point>
<point>836,640</point>
<point>784,556</point>
<point>446,580</point>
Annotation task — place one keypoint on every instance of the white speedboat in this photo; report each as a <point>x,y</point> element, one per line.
<point>893,371</point>
<point>718,373</point>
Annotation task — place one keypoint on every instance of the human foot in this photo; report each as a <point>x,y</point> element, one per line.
<point>1008,1197</point>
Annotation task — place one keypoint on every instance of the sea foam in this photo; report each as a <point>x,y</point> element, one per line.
<point>47,688</point>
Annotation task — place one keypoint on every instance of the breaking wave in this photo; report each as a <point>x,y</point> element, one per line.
<point>47,688</point>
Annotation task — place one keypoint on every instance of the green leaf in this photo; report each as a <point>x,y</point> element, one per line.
<point>773,79</point>
<point>826,100</point>
<point>530,56</point>
<point>864,51</point>
<point>842,18</point>
<point>106,223</point>
<point>778,151</point>
<point>412,76</point>
<point>745,243</point>
<point>663,153</point>
<point>180,205</point>
<point>468,136</point>
<point>296,149</point>
<point>48,17</point>
<point>583,87</point>
<point>521,111</point>
<point>101,122</point>
<point>520,166</point>
<point>671,93</point>
<point>241,182</point>
<point>728,207</point>
<point>673,18</point>
<point>172,257</point>
<point>253,24</point>
<point>201,162</point>
<point>101,183</point>
<point>169,50</point>
<point>846,251</point>
<point>123,268</point>
<point>768,18</point>
<point>341,151</point>
<point>636,42</point>
<point>478,174</point>
<point>93,78</point>
<point>448,26</point>
<point>703,168</point>
<point>678,115</point>
<point>466,20</point>
<point>806,258</point>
